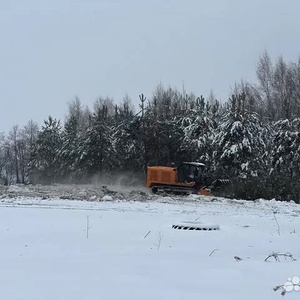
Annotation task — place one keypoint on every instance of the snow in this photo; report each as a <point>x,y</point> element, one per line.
<point>244,166</point>
<point>107,198</point>
<point>234,149</point>
<point>237,125</point>
<point>128,250</point>
<point>246,143</point>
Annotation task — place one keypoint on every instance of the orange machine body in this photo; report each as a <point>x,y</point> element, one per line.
<point>158,176</point>
<point>186,179</point>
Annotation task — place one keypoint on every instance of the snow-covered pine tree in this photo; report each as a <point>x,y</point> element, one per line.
<point>161,135</point>
<point>97,150</point>
<point>240,146</point>
<point>127,141</point>
<point>285,170</point>
<point>73,137</point>
<point>71,150</point>
<point>45,163</point>
<point>198,126</point>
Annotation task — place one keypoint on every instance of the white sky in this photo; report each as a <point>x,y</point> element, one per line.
<point>52,51</point>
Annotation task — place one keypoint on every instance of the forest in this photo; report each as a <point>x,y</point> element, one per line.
<point>252,138</point>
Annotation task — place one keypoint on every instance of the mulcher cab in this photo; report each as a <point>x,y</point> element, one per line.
<point>187,178</point>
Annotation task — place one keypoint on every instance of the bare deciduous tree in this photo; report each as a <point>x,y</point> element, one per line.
<point>28,138</point>
<point>14,136</point>
<point>264,72</point>
<point>80,113</point>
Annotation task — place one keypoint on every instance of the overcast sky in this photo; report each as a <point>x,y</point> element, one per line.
<point>52,51</point>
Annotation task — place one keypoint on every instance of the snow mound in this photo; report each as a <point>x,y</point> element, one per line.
<point>107,198</point>
<point>17,188</point>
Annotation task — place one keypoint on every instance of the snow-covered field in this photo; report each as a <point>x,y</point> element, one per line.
<point>54,248</point>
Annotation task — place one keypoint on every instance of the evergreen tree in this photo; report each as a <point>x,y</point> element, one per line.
<point>70,150</point>
<point>199,127</point>
<point>97,151</point>
<point>45,163</point>
<point>240,143</point>
<point>285,170</point>
<point>128,145</point>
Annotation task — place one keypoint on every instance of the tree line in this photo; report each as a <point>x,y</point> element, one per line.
<point>253,138</point>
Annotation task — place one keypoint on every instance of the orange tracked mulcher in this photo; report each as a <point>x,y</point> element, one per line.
<point>187,178</point>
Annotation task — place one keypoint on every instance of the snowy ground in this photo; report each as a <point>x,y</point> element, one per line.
<point>130,250</point>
